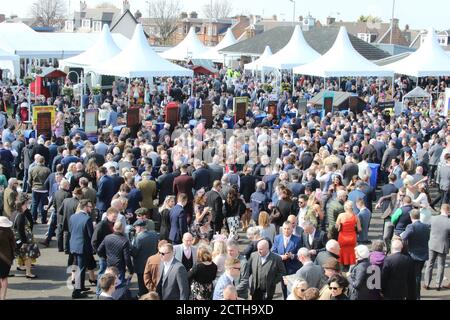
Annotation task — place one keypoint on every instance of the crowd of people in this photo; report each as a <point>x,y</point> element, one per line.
<point>170,204</point>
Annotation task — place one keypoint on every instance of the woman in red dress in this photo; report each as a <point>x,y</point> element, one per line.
<point>348,225</point>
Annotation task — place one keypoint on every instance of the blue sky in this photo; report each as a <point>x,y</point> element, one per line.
<point>417,13</point>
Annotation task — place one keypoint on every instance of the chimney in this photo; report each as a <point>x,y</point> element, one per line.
<point>125,6</point>
<point>183,15</point>
<point>330,21</point>
<point>193,15</point>
<point>274,17</point>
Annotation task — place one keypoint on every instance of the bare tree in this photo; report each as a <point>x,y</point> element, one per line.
<point>48,13</point>
<point>220,9</point>
<point>165,14</point>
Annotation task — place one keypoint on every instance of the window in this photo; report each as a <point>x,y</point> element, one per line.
<point>97,26</point>
<point>86,23</point>
<point>68,26</point>
<point>364,37</point>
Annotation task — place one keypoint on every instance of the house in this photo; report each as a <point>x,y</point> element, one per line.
<point>443,39</point>
<point>321,39</point>
<point>374,32</point>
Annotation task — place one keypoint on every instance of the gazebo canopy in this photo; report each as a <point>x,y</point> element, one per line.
<point>104,49</point>
<point>430,60</point>
<point>342,60</point>
<point>296,52</point>
<point>10,62</point>
<point>139,60</point>
<point>190,47</point>
<point>213,53</point>
<point>417,92</point>
<point>258,64</point>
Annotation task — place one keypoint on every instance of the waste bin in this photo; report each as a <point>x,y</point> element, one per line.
<point>374,174</point>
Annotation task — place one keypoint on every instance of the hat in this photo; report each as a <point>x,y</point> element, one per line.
<point>200,192</point>
<point>363,251</point>
<point>142,211</point>
<point>5,222</point>
<point>139,223</point>
<point>332,263</point>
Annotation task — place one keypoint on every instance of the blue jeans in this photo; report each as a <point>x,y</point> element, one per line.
<point>101,271</point>
<point>52,227</point>
<point>38,200</point>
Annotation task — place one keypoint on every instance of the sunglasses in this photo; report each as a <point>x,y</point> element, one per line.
<point>163,253</point>
<point>333,288</point>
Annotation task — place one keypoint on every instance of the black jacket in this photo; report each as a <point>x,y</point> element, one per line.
<point>214,201</point>
<point>117,251</point>
<point>57,201</point>
<point>103,229</point>
<point>247,186</point>
<point>165,186</point>
<point>42,150</point>
<point>359,275</point>
<point>398,278</point>
<point>201,178</point>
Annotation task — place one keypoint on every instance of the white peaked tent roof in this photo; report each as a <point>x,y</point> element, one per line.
<point>139,60</point>
<point>213,53</point>
<point>417,92</point>
<point>430,60</point>
<point>190,47</point>
<point>10,61</point>
<point>104,49</point>
<point>342,60</point>
<point>259,63</point>
<point>296,52</point>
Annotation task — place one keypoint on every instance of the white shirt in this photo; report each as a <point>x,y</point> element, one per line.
<point>286,241</point>
<point>104,294</point>
<point>187,250</point>
<point>301,216</point>
<point>167,266</point>
<point>311,237</point>
<point>263,259</point>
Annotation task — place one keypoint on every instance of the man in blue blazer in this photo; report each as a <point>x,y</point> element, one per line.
<point>178,221</point>
<point>286,245</point>
<point>417,235</point>
<point>81,230</point>
<point>105,191</point>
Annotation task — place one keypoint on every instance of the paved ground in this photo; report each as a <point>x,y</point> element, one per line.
<point>51,269</point>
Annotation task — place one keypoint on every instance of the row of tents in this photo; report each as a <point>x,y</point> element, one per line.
<point>116,56</point>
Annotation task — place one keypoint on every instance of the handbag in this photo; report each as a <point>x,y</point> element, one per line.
<point>33,251</point>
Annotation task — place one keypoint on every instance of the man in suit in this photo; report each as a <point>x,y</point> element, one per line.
<point>201,175</point>
<point>258,200</point>
<point>286,245</point>
<point>151,272</point>
<point>186,253</point>
<point>215,170</point>
<point>164,184</point>
<point>417,236</point>
<point>388,155</point>
<point>332,250</point>
<point>409,163</point>
<point>148,191</point>
<point>215,202</point>
<point>248,184</point>
<point>81,173</point>
<point>115,248</point>
<point>80,228</point>
<point>397,276</point>
<point>173,283</point>
<point>178,223</point>
<point>144,245</point>
<point>184,184</point>
<point>438,246</point>
<point>65,211</point>
<point>266,269</point>
<point>105,191</point>
<point>404,219</point>
<point>313,239</point>
<point>9,198</point>
<point>313,274</point>
<point>233,269</point>
<point>117,180</point>
<point>350,169</point>
<point>241,282</point>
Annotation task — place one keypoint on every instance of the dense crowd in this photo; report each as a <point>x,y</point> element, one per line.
<point>170,204</point>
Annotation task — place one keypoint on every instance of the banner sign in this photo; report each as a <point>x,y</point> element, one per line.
<point>39,109</point>
<point>90,122</point>
<point>240,105</point>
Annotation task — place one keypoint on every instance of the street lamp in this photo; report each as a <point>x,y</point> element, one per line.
<point>293,15</point>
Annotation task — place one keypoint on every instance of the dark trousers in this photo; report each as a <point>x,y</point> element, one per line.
<point>444,197</point>
<point>142,288</point>
<point>80,274</point>
<point>432,172</point>
<point>39,199</point>
<point>52,227</point>
<point>418,266</point>
<point>60,237</point>
<point>25,186</point>
<point>218,224</point>
<point>259,294</point>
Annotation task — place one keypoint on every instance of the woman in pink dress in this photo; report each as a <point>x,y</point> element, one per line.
<point>59,125</point>
<point>348,225</point>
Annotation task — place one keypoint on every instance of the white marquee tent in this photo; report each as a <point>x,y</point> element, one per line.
<point>430,60</point>
<point>342,60</point>
<point>139,60</point>
<point>104,49</point>
<point>190,48</point>
<point>213,53</point>
<point>296,52</point>
<point>9,61</point>
<point>258,64</point>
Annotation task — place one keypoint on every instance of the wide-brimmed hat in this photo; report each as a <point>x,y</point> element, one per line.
<point>332,264</point>
<point>5,222</point>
